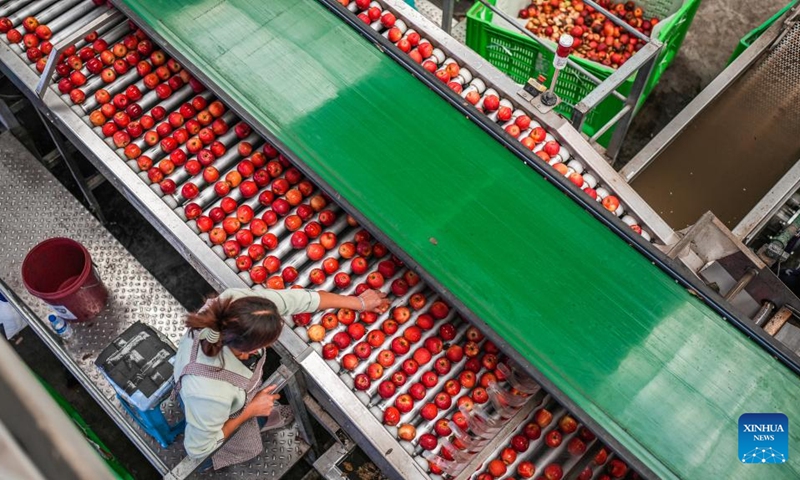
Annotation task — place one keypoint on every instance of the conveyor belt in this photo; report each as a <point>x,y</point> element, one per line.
<point>656,368</point>
<point>29,197</point>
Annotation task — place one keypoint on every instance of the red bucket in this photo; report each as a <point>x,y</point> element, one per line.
<point>60,272</point>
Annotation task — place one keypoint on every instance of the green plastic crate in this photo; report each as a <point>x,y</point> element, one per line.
<point>753,35</point>
<point>522,57</point>
<point>119,471</point>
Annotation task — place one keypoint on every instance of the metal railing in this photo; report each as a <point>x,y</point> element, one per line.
<point>640,64</point>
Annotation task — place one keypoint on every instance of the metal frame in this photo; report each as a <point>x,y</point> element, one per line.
<point>641,64</point>
<point>203,259</point>
<point>340,401</point>
<point>108,17</point>
<point>554,123</point>
<point>368,432</point>
<point>447,15</point>
<point>752,224</point>
<point>53,446</point>
<point>52,343</point>
<point>72,165</point>
<point>716,88</point>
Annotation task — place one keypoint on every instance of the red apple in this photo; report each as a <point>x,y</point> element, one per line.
<point>553,439</point>
<point>362,382</point>
<point>387,389</point>
<point>399,378</point>
<point>376,338</point>
<point>442,427</point>
<point>576,446</point>
<point>422,356</point>
<point>350,362</point>
<point>447,332</point>
<point>439,310</point>
<point>362,350</point>
<point>330,351</point>
<point>543,417</point>
<point>342,280</point>
<point>356,331</point>
<point>526,469</point>
<point>455,353</point>
<point>375,371</point>
<point>409,366</point>
<point>342,340</point>
<point>385,357</point>
<point>479,395</point>
<point>496,468</point>
<point>404,403</point>
<point>553,472</point>
<point>346,316</point>
<point>442,400</point>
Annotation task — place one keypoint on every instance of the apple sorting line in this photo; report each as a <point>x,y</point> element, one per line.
<point>505,111</point>
<point>435,382</point>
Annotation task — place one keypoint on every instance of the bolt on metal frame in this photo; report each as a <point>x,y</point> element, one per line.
<point>641,64</point>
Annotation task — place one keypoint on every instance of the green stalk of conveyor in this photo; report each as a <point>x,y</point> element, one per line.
<point>660,371</point>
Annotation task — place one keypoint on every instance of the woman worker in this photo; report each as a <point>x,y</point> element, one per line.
<point>218,390</point>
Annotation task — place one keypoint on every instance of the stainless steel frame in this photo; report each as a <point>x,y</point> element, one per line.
<point>109,17</point>
<point>557,125</point>
<point>335,397</point>
<point>375,438</point>
<point>641,64</point>
<point>53,446</point>
<point>760,215</point>
<point>701,101</point>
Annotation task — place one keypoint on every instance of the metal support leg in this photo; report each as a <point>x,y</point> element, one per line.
<point>618,137</point>
<point>55,135</point>
<point>447,15</point>
<point>10,122</point>
<point>297,391</point>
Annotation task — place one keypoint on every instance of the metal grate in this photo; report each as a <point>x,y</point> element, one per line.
<point>773,85</point>
<point>434,14</point>
<point>36,207</point>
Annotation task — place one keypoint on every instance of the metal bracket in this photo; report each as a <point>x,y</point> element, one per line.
<point>73,167</point>
<point>47,75</point>
<point>327,464</point>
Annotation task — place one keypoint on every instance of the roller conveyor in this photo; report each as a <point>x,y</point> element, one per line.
<point>434,239</point>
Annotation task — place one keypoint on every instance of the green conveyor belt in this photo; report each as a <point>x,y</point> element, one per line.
<point>665,375</point>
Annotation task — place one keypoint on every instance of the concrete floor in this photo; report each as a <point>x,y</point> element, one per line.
<point>717,28</point>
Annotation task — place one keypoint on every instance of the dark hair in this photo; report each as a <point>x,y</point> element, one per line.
<point>245,324</point>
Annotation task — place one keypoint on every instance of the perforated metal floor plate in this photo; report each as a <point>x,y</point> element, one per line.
<point>35,207</point>
<point>434,14</point>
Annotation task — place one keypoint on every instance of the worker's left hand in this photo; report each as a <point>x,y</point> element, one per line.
<point>262,403</point>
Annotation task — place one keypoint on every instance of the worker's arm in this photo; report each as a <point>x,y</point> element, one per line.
<point>260,406</point>
<point>294,301</point>
<point>373,301</point>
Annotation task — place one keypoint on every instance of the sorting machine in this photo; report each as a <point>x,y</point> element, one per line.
<point>580,306</point>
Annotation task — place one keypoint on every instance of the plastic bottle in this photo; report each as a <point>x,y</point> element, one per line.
<point>61,327</point>
<point>11,319</point>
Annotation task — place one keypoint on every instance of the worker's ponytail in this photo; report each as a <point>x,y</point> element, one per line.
<point>245,324</point>
<point>209,317</point>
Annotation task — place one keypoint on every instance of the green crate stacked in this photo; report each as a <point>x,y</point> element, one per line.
<point>753,35</point>
<point>521,57</point>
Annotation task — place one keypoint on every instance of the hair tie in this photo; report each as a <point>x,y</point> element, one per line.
<point>209,335</point>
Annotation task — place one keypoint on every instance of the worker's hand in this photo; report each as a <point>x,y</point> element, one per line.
<point>262,403</point>
<point>375,301</point>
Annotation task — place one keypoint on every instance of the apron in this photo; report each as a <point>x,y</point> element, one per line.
<point>246,443</point>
